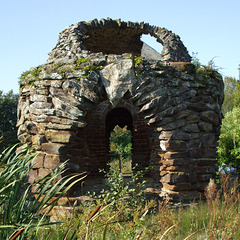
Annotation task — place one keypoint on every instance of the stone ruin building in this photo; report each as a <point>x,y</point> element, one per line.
<point>96,78</point>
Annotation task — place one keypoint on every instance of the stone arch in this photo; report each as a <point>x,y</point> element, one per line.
<point>176,112</point>
<point>94,138</point>
<point>118,116</point>
<point>117,37</point>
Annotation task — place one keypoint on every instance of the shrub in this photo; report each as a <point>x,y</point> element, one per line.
<point>130,191</point>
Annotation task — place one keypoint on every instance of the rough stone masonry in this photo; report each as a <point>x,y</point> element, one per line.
<point>96,78</point>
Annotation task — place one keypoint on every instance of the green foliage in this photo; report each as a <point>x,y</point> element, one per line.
<point>63,70</point>
<point>211,66</point>
<point>129,191</point>
<point>8,118</point>
<point>195,60</point>
<point>90,68</point>
<point>24,76</point>
<point>229,141</point>
<point>55,66</point>
<point>35,72</point>
<point>28,77</point>
<point>236,100</point>
<point>207,71</point>
<point>121,147</point>
<point>84,64</point>
<point>137,61</point>
<point>217,218</point>
<point>21,209</point>
<point>138,65</point>
<point>120,140</point>
<point>230,85</point>
<point>82,60</point>
<point>79,64</point>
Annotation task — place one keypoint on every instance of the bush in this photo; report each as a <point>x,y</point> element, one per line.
<point>229,140</point>
<point>129,191</point>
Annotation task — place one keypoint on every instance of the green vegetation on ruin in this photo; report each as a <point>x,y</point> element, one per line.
<point>29,77</point>
<point>207,71</point>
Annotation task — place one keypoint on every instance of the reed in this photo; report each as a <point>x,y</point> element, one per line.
<point>23,213</point>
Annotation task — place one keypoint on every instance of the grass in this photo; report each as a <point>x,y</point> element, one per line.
<point>216,218</point>
<point>23,210</point>
<point>22,215</point>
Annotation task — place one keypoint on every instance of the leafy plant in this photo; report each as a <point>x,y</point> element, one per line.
<point>82,60</point>
<point>138,65</point>
<point>236,100</point>
<point>79,63</point>
<point>129,191</point>
<point>229,140</point>
<point>28,77</point>
<point>195,60</point>
<point>63,71</point>
<point>137,61</point>
<point>90,68</point>
<point>209,70</point>
<point>20,209</point>
<point>24,76</point>
<point>35,72</point>
<point>120,140</point>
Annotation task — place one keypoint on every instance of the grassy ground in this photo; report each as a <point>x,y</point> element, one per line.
<point>216,218</point>
<point>120,212</point>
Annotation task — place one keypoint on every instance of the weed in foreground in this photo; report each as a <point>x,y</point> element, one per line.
<point>22,213</point>
<point>215,218</point>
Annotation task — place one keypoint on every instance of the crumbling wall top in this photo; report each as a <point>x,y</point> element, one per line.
<point>116,37</point>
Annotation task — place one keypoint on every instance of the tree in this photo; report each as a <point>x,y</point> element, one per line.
<point>229,142</point>
<point>120,140</point>
<point>236,100</point>
<point>230,85</point>
<point>121,148</point>
<point>8,118</point>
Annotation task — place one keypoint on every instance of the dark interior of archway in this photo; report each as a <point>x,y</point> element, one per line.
<point>114,40</point>
<point>120,117</point>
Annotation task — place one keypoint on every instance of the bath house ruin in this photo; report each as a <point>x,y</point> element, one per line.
<point>99,75</point>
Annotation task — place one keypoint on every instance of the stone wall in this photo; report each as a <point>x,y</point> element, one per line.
<point>175,109</point>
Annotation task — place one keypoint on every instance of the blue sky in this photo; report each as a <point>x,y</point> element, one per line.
<point>30,29</point>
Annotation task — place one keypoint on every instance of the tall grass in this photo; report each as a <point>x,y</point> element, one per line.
<point>217,217</point>
<point>24,214</point>
<point>21,209</point>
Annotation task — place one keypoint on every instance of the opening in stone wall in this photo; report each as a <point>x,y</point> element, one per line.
<point>151,49</point>
<point>113,40</point>
<point>120,150</point>
<point>119,41</point>
<point>119,126</point>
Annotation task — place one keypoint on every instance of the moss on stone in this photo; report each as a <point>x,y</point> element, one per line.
<point>79,64</point>
<point>28,77</point>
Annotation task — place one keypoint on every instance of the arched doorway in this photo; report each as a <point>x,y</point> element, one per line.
<point>119,138</point>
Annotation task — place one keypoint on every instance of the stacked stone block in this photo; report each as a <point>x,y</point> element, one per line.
<point>176,111</point>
